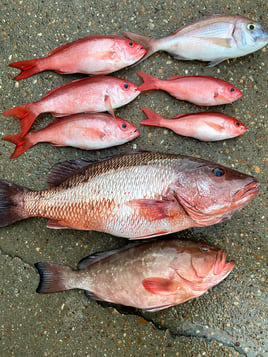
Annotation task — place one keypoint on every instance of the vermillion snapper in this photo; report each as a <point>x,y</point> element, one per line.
<point>85,131</point>
<point>214,39</point>
<point>151,276</point>
<point>137,195</point>
<point>95,54</point>
<point>94,94</point>
<point>204,126</point>
<point>200,90</point>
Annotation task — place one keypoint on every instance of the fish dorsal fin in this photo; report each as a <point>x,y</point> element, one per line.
<point>96,257</point>
<point>172,78</point>
<point>63,170</point>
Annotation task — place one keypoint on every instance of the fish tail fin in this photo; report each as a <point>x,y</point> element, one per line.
<point>11,198</point>
<point>150,82</point>
<point>153,118</point>
<point>150,44</point>
<point>28,68</point>
<point>22,144</point>
<point>54,277</point>
<point>26,114</point>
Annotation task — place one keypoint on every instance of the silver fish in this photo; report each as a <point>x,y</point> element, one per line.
<point>212,39</point>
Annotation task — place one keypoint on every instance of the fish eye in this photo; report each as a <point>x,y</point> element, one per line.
<point>124,125</point>
<point>251,27</point>
<point>204,249</point>
<point>237,123</point>
<point>130,43</point>
<point>126,86</point>
<point>218,172</point>
<point>232,89</point>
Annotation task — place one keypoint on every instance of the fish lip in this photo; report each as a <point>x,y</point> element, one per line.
<point>248,191</point>
<point>134,134</point>
<point>221,265</point>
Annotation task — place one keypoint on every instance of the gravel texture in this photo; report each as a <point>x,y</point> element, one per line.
<point>230,319</point>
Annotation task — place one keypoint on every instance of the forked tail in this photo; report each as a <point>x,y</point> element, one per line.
<point>22,144</point>
<point>54,278</point>
<point>26,114</point>
<point>28,68</point>
<point>150,82</point>
<point>153,118</point>
<point>11,199</point>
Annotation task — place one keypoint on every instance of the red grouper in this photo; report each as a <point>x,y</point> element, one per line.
<point>204,126</point>
<point>152,276</point>
<point>135,195</point>
<point>200,90</point>
<point>94,94</point>
<point>213,39</point>
<point>95,54</point>
<point>85,131</point>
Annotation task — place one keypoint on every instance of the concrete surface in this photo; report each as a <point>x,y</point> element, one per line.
<point>231,319</point>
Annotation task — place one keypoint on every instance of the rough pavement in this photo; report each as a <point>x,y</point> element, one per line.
<point>230,319</point>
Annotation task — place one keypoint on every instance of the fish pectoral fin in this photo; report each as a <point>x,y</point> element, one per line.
<point>215,126</point>
<point>223,42</point>
<point>108,105</point>
<point>153,210</point>
<point>55,225</point>
<point>160,286</point>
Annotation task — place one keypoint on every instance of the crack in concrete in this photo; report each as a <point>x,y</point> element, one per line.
<point>187,329</point>
<point>2,252</point>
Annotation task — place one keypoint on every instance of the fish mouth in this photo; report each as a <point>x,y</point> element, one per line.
<point>247,192</point>
<point>134,134</point>
<point>221,266</point>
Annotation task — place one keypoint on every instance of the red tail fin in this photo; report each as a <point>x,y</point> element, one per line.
<point>22,144</point>
<point>150,82</point>
<point>26,115</point>
<point>28,68</point>
<point>153,119</point>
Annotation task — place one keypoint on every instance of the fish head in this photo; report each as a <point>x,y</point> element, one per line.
<point>250,36</point>
<point>211,193</point>
<point>201,267</point>
<point>122,130</point>
<point>123,92</point>
<point>226,93</point>
<point>130,51</point>
<point>234,127</point>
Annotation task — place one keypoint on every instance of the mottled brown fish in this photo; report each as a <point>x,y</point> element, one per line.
<point>135,195</point>
<point>152,276</point>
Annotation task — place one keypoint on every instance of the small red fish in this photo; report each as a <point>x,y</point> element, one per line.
<point>205,126</point>
<point>200,90</point>
<point>85,131</point>
<point>94,94</point>
<point>151,276</point>
<point>95,54</point>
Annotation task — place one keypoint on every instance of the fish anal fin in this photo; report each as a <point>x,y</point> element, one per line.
<point>153,210</point>
<point>92,296</point>
<point>215,62</point>
<point>53,224</point>
<point>160,286</point>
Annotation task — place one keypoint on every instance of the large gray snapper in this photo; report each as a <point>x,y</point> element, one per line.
<point>151,276</point>
<point>212,39</point>
<point>134,195</point>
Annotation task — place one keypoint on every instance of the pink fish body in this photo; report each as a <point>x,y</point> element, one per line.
<point>90,55</point>
<point>85,131</point>
<point>214,39</point>
<point>152,276</point>
<point>204,126</point>
<point>200,90</point>
<point>94,94</point>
